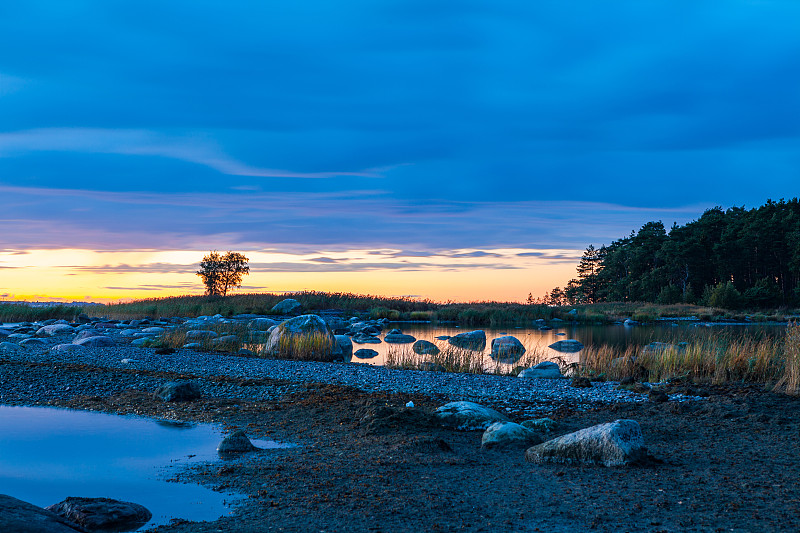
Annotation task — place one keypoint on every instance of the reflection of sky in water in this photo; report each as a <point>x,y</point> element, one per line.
<point>538,341</point>
<point>48,454</point>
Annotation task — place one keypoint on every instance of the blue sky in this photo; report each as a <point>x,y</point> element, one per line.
<point>426,126</point>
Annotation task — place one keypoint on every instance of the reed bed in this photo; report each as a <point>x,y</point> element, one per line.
<point>27,313</point>
<point>454,359</point>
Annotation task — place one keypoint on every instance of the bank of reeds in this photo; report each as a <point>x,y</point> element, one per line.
<point>27,313</point>
<point>718,357</point>
<point>454,359</point>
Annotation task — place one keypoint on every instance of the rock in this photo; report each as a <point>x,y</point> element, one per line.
<point>338,326</point>
<point>442,337</point>
<point>236,442</point>
<point>287,307</point>
<point>32,342</point>
<point>67,348</point>
<point>100,341</point>
<point>365,353</point>
<point>200,334</point>
<point>225,339</point>
<point>179,391</point>
<point>8,347</point>
<point>468,415</point>
<point>193,346</point>
<point>54,329</point>
<point>541,425</point>
<point>657,396</point>
<point>508,434</point>
<point>617,443</point>
<point>155,330</point>
<point>581,382</point>
<point>304,337</point>
<point>4,333</point>
<point>545,369</point>
<point>86,333</point>
<point>545,328</point>
<point>143,341</point>
<point>470,340</point>
<point>573,312</point>
<point>567,346</point>
<point>631,322</point>
<point>17,516</point>
<point>507,349</point>
<point>102,514</point>
<point>345,344</point>
<point>398,338</point>
<point>262,324</point>
<point>422,347</point>
<point>366,339</point>
<point>395,331</point>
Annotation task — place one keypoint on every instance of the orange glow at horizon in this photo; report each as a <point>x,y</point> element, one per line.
<point>459,275</point>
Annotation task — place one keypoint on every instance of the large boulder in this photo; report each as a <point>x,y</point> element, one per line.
<point>179,391</point>
<point>508,434</point>
<point>54,329</point>
<point>362,338</point>
<point>468,415</point>
<point>288,306</point>
<point>32,342</point>
<point>100,341</point>
<point>102,514</point>
<point>262,324</point>
<point>470,340</point>
<point>567,346</point>
<point>545,369</point>
<point>345,344</point>
<point>18,516</point>
<point>236,442</point>
<point>86,333</point>
<point>617,443</point>
<point>398,338</point>
<point>507,349</point>
<point>423,347</point>
<point>304,337</point>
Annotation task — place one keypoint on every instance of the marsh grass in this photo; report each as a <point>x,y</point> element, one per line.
<point>454,359</point>
<point>27,313</point>
<point>313,346</point>
<point>789,381</point>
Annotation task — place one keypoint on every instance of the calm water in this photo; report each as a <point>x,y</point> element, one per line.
<point>47,454</point>
<point>539,341</point>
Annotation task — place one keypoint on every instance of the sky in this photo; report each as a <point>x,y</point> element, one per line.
<point>452,150</point>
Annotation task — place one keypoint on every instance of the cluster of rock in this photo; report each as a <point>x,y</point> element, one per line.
<point>71,515</point>
<point>617,443</point>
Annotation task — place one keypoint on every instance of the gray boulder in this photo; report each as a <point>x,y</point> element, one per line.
<point>262,324</point>
<point>468,415</point>
<point>288,306</point>
<point>193,346</point>
<point>470,340</point>
<point>154,330</point>
<point>508,434</point>
<point>225,339</point>
<point>102,514</point>
<point>423,347</point>
<point>32,342</point>
<point>67,348</point>
<point>86,333</point>
<point>304,337</point>
<point>236,442</point>
<point>567,346</point>
<point>54,329</point>
<point>365,339</point>
<point>179,391</point>
<point>617,443</point>
<point>507,349</point>
<point>345,344</point>
<point>365,353</point>
<point>545,369</point>
<point>398,338</point>
<point>631,322</point>
<point>17,516</point>
<point>100,341</point>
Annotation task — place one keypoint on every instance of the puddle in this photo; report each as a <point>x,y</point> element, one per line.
<point>47,454</point>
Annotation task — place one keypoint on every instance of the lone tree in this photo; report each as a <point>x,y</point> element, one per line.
<point>222,272</point>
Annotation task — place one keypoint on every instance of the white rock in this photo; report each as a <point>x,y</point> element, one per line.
<point>468,415</point>
<point>616,443</point>
<point>545,369</point>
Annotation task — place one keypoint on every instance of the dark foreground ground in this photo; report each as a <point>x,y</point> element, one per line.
<point>366,463</point>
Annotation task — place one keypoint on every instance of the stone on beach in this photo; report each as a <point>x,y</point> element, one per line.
<point>32,342</point>
<point>305,332</point>
<point>287,307</point>
<point>54,329</point>
<point>468,415</point>
<point>102,514</point>
<point>470,340</point>
<point>179,391</point>
<point>100,341</point>
<point>200,334</point>
<point>236,442</point>
<point>18,516</point>
<point>545,369</point>
<point>507,348</point>
<point>8,347</point>
<point>67,348</point>
<point>617,443</point>
<point>508,434</point>
<point>345,344</point>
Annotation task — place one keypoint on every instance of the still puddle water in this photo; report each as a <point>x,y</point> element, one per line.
<point>537,341</point>
<point>47,454</point>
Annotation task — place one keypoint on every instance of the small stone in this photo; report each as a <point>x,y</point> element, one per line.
<point>179,391</point>
<point>236,442</point>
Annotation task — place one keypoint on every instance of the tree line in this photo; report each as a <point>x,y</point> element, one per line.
<point>734,258</point>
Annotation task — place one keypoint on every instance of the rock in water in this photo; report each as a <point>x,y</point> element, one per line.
<point>365,353</point>
<point>398,338</point>
<point>102,514</point>
<point>287,307</point>
<point>179,391</point>
<point>18,516</point>
<point>423,347</point>
<point>567,346</point>
<point>470,340</point>
<point>236,442</point>
<point>345,344</point>
<point>508,434</point>
<point>617,443</point>
<point>468,415</point>
<point>545,369</point>
<point>507,349</point>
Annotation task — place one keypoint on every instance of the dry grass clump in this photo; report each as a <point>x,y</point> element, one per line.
<point>789,381</point>
<point>454,359</point>
<point>314,346</point>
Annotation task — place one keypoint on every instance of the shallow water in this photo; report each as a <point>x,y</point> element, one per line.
<point>538,341</point>
<point>47,454</point>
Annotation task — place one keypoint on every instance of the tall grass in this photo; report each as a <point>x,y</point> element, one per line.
<point>454,359</point>
<point>26,313</point>
<point>790,380</point>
